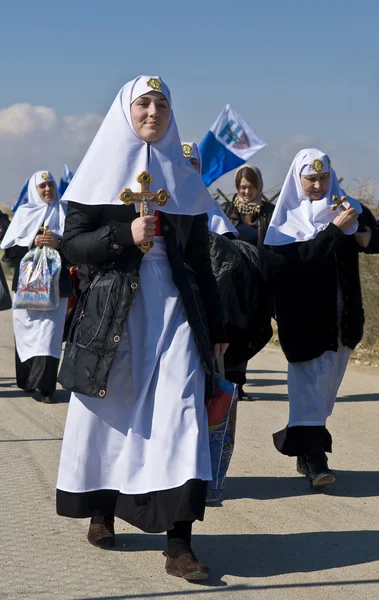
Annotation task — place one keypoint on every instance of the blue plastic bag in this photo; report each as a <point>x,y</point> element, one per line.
<point>222,419</point>
<point>38,282</point>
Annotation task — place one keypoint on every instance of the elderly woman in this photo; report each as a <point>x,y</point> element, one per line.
<point>38,334</point>
<point>139,358</point>
<point>313,270</point>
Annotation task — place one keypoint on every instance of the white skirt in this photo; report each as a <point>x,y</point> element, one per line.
<point>39,333</point>
<point>150,432</point>
<point>313,387</point>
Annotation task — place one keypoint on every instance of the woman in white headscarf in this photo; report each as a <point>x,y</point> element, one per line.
<point>38,334</point>
<point>217,220</point>
<point>314,273</point>
<point>139,357</point>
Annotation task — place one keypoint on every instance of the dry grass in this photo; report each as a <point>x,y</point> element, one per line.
<point>368,351</point>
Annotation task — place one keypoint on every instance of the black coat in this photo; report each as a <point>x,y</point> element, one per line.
<point>101,238</point>
<point>4,223</point>
<point>304,278</point>
<point>244,297</point>
<point>263,221</point>
<point>373,247</point>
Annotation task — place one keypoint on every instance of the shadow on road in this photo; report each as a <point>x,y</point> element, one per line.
<point>266,396</point>
<point>359,398</point>
<point>241,588</point>
<point>265,382</point>
<point>61,396</point>
<point>7,382</point>
<point>260,371</point>
<point>349,484</point>
<point>283,397</point>
<point>269,555</point>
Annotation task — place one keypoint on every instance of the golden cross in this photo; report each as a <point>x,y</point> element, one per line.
<point>45,229</point>
<point>144,197</point>
<point>338,202</point>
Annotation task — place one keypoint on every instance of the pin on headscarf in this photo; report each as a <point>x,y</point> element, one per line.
<point>117,156</point>
<point>30,217</point>
<point>296,218</point>
<point>218,222</point>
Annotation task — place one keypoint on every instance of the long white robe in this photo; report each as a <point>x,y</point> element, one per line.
<point>39,333</point>
<point>150,432</point>
<point>313,384</point>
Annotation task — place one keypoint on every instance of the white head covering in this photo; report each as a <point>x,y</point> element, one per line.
<point>191,150</point>
<point>118,155</point>
<point>218,222</point>
<point>296,218</point>
<point>30,217</point>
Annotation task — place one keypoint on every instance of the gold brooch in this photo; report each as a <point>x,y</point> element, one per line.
<point>154,83</point>
<point>317,165</point>
<point>45,175</point>
<point>187,150</point>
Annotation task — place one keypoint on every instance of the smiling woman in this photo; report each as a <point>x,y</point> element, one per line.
<point>38,334</point>
<point>150,115</point>
<point>140,357</point>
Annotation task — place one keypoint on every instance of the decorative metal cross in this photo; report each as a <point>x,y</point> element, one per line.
<point>338,202</point>
<point>45,229</point>
<point>144,197</point>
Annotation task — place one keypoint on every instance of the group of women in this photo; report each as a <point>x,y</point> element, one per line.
<point>149,323</point>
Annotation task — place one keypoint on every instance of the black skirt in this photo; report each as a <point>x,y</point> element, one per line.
<point>298,440</point>
<point>37,373</point>
<point>153,512</point>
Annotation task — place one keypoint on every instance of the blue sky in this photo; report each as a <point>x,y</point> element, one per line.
<point>300,73</point>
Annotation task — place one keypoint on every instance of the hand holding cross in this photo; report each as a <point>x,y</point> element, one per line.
<point>338,202</point>
<point>144,197</point>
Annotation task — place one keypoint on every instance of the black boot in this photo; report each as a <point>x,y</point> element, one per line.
<point>314,465</point>
<point>101,531</point>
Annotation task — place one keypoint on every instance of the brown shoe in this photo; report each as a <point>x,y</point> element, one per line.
<point>101,532</point>
<point>187,566</point>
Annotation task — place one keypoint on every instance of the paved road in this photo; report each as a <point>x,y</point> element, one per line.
<point>271,538</point>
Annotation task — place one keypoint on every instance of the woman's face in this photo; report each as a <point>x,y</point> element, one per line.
<point>247,192</point>
<point>150,116</point>
<point>47,191</point>
<point>195,163</point>
<point>315,186</point>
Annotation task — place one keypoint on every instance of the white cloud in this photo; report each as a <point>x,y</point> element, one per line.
<point>36,137</point>
<point>23,119</point>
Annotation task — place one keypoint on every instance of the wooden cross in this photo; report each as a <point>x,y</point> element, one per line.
<point>338,202</point>
<point>144,197</point>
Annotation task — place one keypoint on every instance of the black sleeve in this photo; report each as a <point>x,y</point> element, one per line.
<point>15,254</point>
<point>367,219</point>
<point>277,261</point>
<point>373,247</point>
<point>4,223</point>
<point>87,241</point>
<point>198,255</point>
<point>321,248</point>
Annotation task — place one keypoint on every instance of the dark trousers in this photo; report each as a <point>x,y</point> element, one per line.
<point>236,373</point>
